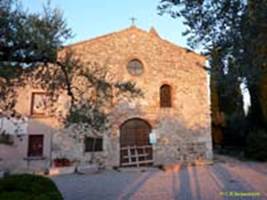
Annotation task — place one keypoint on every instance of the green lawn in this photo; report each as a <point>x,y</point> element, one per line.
<point>28,187</point>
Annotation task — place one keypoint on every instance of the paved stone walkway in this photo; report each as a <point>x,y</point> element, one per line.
<point>189,183</point>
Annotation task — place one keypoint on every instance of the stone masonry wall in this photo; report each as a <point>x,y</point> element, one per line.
<point>183,131</point>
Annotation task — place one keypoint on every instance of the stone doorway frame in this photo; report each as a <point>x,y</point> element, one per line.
<point>138,145</point>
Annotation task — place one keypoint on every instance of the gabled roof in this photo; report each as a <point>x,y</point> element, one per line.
<point>152,32</point>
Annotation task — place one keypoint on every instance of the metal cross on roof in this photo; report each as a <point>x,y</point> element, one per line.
<point>133,19</point>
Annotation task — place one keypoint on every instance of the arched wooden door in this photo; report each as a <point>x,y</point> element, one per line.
<point>134,142</point>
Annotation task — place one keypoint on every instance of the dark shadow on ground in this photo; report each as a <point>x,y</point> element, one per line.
<point>231,182</point>
<point>185,187</point>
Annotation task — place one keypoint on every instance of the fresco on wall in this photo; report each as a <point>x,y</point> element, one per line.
<point>39,103</point>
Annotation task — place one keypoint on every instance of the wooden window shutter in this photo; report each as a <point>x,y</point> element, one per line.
<point>93,144</point>
<point>165,96</point>
<point>35,145</point>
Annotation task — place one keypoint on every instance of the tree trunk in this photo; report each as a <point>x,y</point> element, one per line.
<point>255,115</point>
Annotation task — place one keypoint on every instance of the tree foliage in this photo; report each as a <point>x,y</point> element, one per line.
<point>28,39</point>
<point>232,35</point>
<point>256,145</point>
<point>31,50</point>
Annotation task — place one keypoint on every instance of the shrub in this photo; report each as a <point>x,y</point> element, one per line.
<point>6,138</point>
<point>28,187</point>
<point>256,147</point>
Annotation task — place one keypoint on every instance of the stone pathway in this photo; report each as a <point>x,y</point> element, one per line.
<point>209,182</point>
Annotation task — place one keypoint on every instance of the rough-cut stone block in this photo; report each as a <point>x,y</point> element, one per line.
<point>87,169</point>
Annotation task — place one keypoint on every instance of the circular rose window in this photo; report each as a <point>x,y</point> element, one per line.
<point>135,67</point>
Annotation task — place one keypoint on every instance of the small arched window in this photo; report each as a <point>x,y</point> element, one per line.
<point>165,96</point>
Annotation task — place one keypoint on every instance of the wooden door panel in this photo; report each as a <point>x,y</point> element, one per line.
<point>135,133</point>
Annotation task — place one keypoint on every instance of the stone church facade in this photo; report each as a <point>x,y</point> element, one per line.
<point>174,111</point>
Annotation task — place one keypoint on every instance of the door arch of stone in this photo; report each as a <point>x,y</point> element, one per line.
<point>134,137</point>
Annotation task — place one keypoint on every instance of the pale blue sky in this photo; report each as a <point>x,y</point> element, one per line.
<point>91,18</point>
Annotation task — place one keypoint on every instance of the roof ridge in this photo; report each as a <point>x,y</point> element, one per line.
<point>150,32</point>
<point>103,36</point>
<point>180,47</point>
<point>153,31</point>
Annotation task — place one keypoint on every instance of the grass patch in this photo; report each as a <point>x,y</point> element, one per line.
<point>28,187</point>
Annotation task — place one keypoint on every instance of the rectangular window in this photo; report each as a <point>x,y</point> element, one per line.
<point>35,148</point>
<point>39,101</point>
<point>93,144</point>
